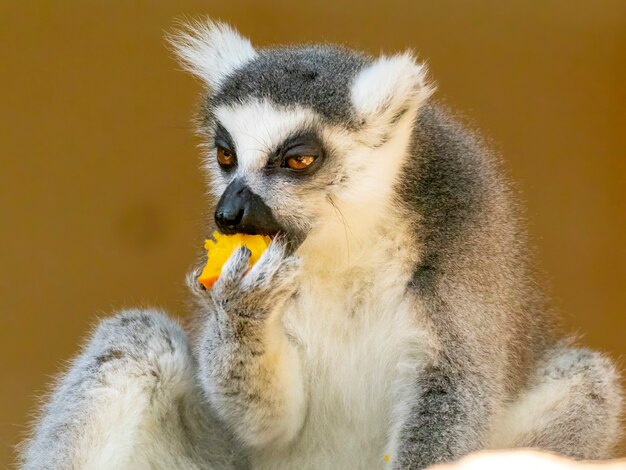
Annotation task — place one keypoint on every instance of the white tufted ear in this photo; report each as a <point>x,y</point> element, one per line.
<point>388,88</point>
<point>211,50</point>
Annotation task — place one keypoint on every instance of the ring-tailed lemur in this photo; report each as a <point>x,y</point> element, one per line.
<point>393,322</point>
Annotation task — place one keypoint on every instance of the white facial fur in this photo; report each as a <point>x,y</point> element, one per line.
<point>347,197</point>
<point>354,193</point>
<point>258,127</point>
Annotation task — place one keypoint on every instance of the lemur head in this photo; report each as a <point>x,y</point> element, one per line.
<point>300,139</point>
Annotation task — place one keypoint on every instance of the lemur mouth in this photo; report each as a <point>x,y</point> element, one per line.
<point>243,229</point>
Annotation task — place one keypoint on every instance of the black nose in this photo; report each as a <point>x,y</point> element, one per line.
<point>239,210</point>
<point>228,216</point>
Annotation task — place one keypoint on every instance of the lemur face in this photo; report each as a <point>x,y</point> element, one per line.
<point>271,166</point>
<point>297,137</point>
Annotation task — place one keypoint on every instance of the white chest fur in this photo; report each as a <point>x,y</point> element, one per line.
<point>361,347</point>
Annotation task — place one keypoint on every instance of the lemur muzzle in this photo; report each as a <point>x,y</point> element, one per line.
<point>239,210</point>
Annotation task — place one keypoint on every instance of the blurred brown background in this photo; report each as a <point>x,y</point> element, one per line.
<point>101,199</point>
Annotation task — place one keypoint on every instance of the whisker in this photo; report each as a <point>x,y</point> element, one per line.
<point>267,131</point>
<point>344,222</point>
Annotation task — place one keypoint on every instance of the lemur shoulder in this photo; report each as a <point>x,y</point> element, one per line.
<point>393,322</point>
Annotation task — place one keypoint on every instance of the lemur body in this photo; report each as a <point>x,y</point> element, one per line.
<point>393,321</point>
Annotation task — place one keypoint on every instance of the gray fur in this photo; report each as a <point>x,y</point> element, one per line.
<point>583,423</point>
<point>124,350</point>
<point>317,76</point>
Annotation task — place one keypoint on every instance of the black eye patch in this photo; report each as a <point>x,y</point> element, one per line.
<point>302,143</point>
<point>303,148</point>
<point>223,138</point>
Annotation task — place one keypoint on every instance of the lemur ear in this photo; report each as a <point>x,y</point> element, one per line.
<point>388,88</point>
<point>210,50</point>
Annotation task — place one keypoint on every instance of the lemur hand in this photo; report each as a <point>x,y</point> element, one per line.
<point>251,293</point>
<point>261,400</point>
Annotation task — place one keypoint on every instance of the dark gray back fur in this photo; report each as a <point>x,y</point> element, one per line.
<point>471,240</point>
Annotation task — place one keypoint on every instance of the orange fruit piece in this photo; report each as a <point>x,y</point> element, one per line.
<point>222,247</point>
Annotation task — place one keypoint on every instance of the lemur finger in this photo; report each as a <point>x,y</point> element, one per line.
<point>265,269</point>
<point>232,272</point>
<point>275,271</point>
<point>284,280</point>
<point>191,280</point>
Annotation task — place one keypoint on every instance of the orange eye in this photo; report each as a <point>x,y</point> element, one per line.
<point>300,162</point>
<point>225,157</point>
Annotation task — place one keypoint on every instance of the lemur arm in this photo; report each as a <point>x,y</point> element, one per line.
<point>129,400</point>
<point>446,418</point>
<point>249,369</point>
